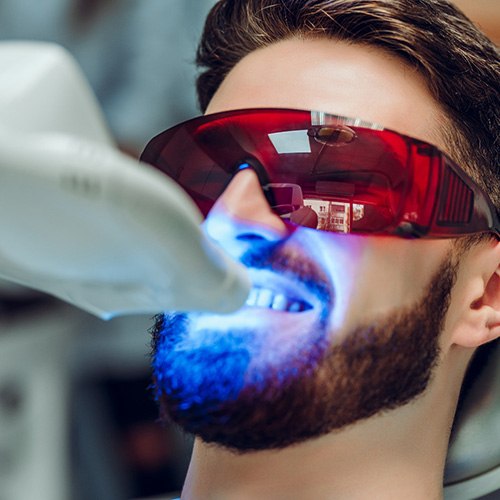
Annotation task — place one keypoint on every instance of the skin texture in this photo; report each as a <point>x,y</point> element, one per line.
<point>369,282</point>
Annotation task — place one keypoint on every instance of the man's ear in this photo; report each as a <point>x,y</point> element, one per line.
<point>479,320</point>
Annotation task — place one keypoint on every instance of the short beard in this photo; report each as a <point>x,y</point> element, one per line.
<point>376,368</point>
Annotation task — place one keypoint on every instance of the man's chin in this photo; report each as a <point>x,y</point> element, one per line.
<point>223,396</point>
<point>215,382</point>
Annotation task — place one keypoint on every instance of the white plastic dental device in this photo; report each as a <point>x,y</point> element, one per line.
<point>84,222</point>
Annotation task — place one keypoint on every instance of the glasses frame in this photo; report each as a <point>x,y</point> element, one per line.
<point>456,207</point>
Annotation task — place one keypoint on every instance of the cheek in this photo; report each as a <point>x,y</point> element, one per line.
<point>339,256</point>
<point>371,276</point>
<point>396,273</point>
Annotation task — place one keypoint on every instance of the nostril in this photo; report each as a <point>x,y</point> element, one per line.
<point>250,237</point>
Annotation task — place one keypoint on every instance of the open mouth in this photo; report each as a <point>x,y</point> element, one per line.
<point>269,299</point>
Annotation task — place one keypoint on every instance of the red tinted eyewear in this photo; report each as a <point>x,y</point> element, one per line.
<point>328,172</point>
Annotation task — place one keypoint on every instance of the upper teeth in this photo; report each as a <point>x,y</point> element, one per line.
<point>263,297</point>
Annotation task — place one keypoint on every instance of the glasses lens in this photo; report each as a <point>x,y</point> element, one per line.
<point>353,178</point>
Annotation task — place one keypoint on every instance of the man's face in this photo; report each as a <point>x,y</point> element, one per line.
<point>337,327</point>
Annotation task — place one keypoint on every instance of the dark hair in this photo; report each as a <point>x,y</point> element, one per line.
<point>460,65</point>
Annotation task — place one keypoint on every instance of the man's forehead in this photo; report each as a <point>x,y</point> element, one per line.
<point>328,75</point>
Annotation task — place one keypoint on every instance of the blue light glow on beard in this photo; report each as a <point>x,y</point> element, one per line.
<point>201,376</point>
<point>199,369</point>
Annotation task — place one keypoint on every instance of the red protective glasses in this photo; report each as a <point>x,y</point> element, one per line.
<point>327,172</point>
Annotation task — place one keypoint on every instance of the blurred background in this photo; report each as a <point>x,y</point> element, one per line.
<point>77,418</point>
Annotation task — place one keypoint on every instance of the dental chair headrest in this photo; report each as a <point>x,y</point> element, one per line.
<point>473,462</point>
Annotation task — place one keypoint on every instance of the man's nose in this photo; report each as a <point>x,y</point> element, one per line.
<point>243,213</point>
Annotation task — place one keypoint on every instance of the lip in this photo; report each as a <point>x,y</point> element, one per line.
<point>257,318</point>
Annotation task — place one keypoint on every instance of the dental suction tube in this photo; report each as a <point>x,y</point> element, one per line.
<point>88,224</point>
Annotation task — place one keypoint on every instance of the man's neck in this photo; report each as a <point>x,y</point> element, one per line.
<point>399,454</point>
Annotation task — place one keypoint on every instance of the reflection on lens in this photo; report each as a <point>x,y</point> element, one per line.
<point>336,216</point>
